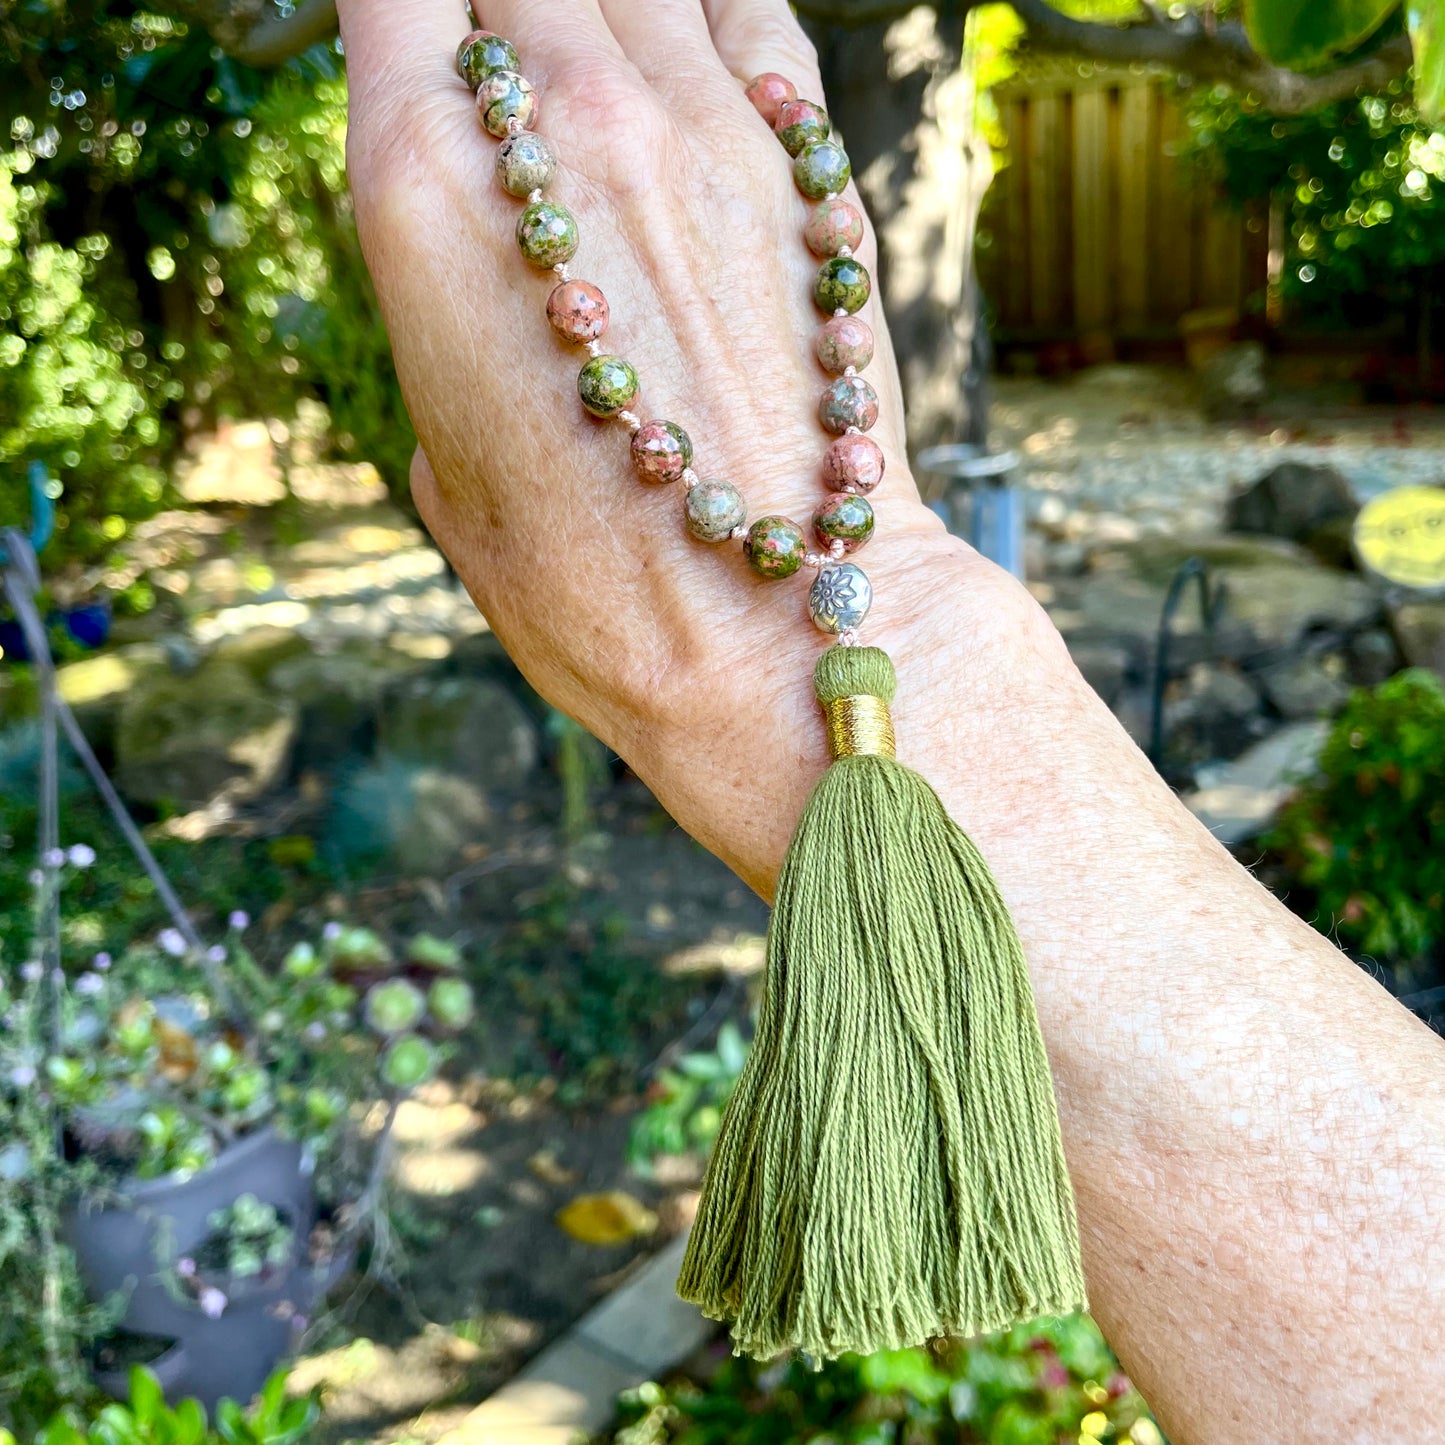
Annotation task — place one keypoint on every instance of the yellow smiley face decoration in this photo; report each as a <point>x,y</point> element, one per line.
<point>1400,537</point>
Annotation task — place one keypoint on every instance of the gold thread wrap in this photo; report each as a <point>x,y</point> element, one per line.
<point>859,726</point>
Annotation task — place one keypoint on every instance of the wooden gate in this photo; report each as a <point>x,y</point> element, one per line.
<point>1094,230</point>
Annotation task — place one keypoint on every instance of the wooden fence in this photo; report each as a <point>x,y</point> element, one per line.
<point>1093,229</point>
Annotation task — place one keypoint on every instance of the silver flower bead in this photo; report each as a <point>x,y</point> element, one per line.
<point>839,598</point>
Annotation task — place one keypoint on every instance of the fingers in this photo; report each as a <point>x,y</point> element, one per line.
<point>753,36</point>
<point>394,46</point>
<point>668,41</point>
<point>550,35</point>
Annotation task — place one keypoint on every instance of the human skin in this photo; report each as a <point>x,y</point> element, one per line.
<point>1256,1131</point>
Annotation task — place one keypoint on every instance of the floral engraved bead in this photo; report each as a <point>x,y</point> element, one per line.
<point>839,599</point>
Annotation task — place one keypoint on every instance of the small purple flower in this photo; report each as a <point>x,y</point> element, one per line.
<point>81,855</point>
<point>89,984</point>
<point>240,920</point>
<point>315,1032</point>
<point>185,1266</point>
<point>213,1302</point>
<point>53,857</point>
<point>331,932</point>
<point>172,942</point>
<point>22,1075</point>
<point>101,961</point>
<point>33,971</point>
<point>299,1323</point>
<point>216,953</point>
<point>35,877</point>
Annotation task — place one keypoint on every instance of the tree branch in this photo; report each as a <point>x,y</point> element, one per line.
<point>256,33</point>
<point>1197,47</point>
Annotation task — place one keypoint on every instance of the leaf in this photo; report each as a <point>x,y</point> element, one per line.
<point>1303,34</point>
<point>610,1218</point>
<point>1426,19</point>
<point>190,1426</point>
<point>147,1399</point>
<point>731,1049</point>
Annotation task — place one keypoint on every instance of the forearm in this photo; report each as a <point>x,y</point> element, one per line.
<point>1256,1131</point>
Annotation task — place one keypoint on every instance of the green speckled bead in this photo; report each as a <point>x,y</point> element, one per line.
<point>843,284</point>
<point>774,547</point>
<point>822,169</point>
<point>843,518</point>
<point>713,508</point>
<point>800,123</point>
<point>525,163</point>
<point>503,96</point>
<point>607,385</point>
<point>547,234</point>
<point>481,53</point>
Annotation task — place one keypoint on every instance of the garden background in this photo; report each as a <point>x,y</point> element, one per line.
<point>1182,265</point>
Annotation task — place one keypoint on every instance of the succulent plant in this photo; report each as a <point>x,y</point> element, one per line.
<point>409,1061</point>
<point>451,1002</point>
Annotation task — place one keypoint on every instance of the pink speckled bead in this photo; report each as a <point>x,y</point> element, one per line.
<point>578,311</point>
<point>848,402</point>
<point>661,451</point>
<point>769,93</point>
<point>845,341</point>
<point>833,224</point>
<point>852,463</point>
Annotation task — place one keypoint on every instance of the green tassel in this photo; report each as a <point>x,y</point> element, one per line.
<point>889,1168</point>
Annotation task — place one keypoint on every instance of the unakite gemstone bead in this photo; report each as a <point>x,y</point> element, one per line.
<point>844,518</point>
<point>525,163</point>
<point>800,123</point>
<point>607,385</point>
<point>661,452</point>
<point>482,53</point>
<point>578,311</point>
<point>843,284</point>
<point>854,463</point>
<point>843,342</point>
<point>713,509</point>
<point>769,93</point>
<point>821,168</point>
<point>774,547</point>
<point>547,234</point>
<point>848,402</point>
<point>503,96</point>
<point>833,224</point>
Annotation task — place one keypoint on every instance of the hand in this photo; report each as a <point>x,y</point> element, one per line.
<point>1254,1128</point>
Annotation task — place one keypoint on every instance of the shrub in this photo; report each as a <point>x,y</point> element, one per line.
<point>1367,836</point>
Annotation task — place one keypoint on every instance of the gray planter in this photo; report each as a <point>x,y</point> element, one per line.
<point>122,1247</point>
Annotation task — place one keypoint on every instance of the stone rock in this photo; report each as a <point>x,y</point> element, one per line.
<point>1211,713</point>
<point>1239,800</point>
<point>1372,656</point>
<point>1295,500</point>
<point>1305,686</point>
<point>187,741</point>
<point>472,727</point>
<point>236,465</point>
<point>339,696</point>
<point>1276,591</point>
<point>1419,628</point>
<point>1232,381</point>
<point>419,817</point>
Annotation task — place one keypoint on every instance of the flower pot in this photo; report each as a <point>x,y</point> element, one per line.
<point>129,1246</point>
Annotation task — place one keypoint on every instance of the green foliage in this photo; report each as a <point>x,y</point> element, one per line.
<point>1305,34</point>
<point>146,1419</point>
<point>1039,1384</point>
<point>685,1103</point>
<point>1427,39</point>
<point>175,236</point>
<point>1367,836</point>
<point>1360,183</point>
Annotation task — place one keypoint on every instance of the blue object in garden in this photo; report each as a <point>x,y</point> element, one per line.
<point>982,502</point>
<point>88,625</point>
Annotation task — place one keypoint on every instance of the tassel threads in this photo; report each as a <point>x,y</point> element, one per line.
<point>889,1168</point>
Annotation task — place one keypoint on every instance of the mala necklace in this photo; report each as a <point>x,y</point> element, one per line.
<point>889,1168</point>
